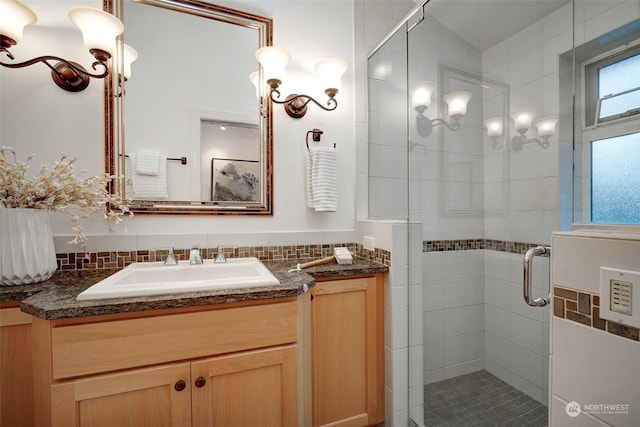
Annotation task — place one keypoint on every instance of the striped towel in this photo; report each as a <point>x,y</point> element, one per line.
<point>150,186</point>
<point>146,162</point>
<point>322,179</point>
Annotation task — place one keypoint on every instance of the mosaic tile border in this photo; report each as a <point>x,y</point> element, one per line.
<point>120,259</point>
<point>472,244</point>
<point>584,308</point>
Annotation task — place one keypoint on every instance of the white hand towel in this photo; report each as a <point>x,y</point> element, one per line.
<point>322,179</point>
<point>146,162</point>
<point>152,187</point>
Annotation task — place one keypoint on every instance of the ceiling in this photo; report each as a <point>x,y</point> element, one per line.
<point>485,23</point>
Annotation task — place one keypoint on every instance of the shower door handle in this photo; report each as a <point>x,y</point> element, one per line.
<point>526,283</point>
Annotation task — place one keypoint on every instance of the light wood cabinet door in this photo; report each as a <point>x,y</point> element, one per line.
<point>253,388</point>
<point>153,397</point>
<point>347,352</point>
<point>16,390</point>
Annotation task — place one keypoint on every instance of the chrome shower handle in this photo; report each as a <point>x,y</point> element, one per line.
<point>526,283</point>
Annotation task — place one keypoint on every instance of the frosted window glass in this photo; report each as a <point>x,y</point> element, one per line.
<point>615,180</point>
<point>616,78</point>
<point>619,76</point>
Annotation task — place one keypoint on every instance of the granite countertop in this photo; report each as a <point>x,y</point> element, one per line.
<point>56,297</point>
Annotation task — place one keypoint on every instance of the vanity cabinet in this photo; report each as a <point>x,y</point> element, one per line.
<point>347,329</point>
<point>227,365</point>
<point>250,388</point>
<point>16,393</point>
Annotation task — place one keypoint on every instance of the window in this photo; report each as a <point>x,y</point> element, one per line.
<point>615,180</point>
<point>612,87</point>
<point>611,137</point>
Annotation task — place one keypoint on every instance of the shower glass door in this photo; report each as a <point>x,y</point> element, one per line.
<point>481,179</point>
<point>483,182</point>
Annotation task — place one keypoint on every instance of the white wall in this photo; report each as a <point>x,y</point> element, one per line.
<point>524,182</point>
<point>588,365</point>
<point>454,313</point>
<point>39,117</point>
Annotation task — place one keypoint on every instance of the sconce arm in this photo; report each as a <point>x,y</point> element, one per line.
<point>68,75</point>
<point>44,59</point>
<point>454,125</point>
<point>522,139</point>
<point>296,105</point>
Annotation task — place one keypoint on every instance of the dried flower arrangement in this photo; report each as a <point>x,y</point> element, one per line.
<point>57,188</point>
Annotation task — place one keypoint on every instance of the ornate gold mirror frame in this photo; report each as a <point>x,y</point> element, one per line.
<point>114,118</point>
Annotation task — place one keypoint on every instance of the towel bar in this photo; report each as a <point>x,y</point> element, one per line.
<point>182,160</point>
<point>316,137</point>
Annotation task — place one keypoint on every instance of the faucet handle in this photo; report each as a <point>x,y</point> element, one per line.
<point>220,258</point>
<point>171,258</point>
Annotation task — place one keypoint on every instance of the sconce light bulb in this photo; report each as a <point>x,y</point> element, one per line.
<point>129,55</point>
<point>273,60</point>
<point>99,30</point>
<point>14,16</point>
<point>421,95</point>
<point>522,120</point>
<point>457,102</point>
<point>331,71</point>
<point>494,127</point>
<point>254,78</point>
<point>546,126</point>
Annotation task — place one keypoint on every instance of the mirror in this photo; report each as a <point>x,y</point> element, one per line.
<point>187,130</point>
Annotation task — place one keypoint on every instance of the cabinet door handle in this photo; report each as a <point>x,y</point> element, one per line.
<point>200,382</point>
<point>180,385</point>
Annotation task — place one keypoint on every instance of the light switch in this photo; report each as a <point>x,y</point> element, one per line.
<point>618,301</point>
<point>369,243</point>
<point>620,296</point>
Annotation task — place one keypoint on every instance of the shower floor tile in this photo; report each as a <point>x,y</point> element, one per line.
<point>480,399</point>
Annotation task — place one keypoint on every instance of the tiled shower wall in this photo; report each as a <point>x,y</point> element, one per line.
<point>475,318</point>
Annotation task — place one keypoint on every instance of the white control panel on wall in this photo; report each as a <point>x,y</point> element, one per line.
<point>620,296</point>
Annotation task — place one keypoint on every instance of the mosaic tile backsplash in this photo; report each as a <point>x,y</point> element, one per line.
<point>472,244</point>
<point>584,308</point>
<point>120,259</point>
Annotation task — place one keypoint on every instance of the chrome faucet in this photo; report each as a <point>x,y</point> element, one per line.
<point>195,257</point>
<point>220,258</point>
<point>171,258</point>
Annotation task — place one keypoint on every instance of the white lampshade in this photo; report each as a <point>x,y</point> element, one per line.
<point>254,79</point>
<point>494,127</point>
<point>546,126</point>
<point>522,119</point>
<point>331,71</point>
<point>457,102</point>
<point>99,28</point>
<point>14,16</point>
<point>130,55</point>
<point>273,60</point>
<point>421,94</point>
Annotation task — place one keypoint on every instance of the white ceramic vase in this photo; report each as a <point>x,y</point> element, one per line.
<point>27,253</point>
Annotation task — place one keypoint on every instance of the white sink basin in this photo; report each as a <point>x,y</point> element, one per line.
<point>154,278</point>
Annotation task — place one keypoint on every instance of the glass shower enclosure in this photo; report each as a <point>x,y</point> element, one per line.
<point>465,144</point>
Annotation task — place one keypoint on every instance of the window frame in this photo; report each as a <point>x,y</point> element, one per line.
<point>591,100</point>
<point>608,127</point>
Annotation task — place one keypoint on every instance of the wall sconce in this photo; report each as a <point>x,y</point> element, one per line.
<point>274,61</point>
<point>456,107</point>
<point>522,122</point>
<point>129,55</point>
<point>99,31</point>
<point>495,128</point>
